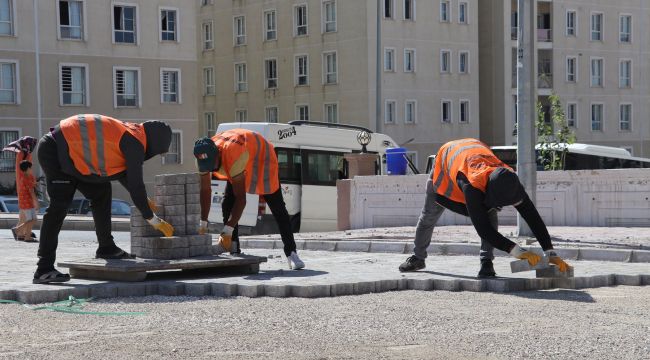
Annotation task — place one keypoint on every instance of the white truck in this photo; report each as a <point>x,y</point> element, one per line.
<point>310,157</point>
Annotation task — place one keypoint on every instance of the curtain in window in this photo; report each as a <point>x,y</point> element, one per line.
<point>7,83</point>
<point>5,17</point>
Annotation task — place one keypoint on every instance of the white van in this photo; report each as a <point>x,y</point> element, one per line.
<point>310,157</point>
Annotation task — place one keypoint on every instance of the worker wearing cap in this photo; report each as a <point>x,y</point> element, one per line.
<point>470,180</point>
<point>86,152</point>
<point>249,164</point>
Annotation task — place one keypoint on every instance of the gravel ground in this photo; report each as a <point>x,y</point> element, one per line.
<point>604,323</point>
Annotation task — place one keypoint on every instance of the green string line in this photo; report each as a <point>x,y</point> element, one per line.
<point>72,306</point>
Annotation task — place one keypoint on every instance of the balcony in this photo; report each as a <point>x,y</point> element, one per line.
<point>544,35</point>
<point>545,81</point>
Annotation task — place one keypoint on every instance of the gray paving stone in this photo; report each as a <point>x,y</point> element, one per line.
<point>171,289</point>
<point>496,285</point>
<point>161,242</point>
<point>167,190</point>
<point>640,256</point>
<point>224,290</point>
<point>387,285</point>
<point>192,209</point>
<point>320,245</point>
<point>194,188</point>
<point>78,292</point>
<point>8,294</point>
<point>472,285</point>
<point>251,291</point>
<point>462,249</point>
<point>605,254</point>
<point>364,287</point>
<point>193,219</point>
<point>144,231</point>
<point>170,179</point>
<point>409,248</point>
<point>200,250</point>
<point>603,280</point>
<point>174,210</point>
<point>197,289</point>
<point>259,244</point>
<point>434,249</point>
<point>446,284</point>
<point>278,291</point>
<point>523,265</point>
<point>176,220</point>
<point>645,279</point>
<point>342,289</point>
<point>629,280</point>
<point>170,200</point>
<point>564,283</point>
<point>192,198</point>
<point>192,178</point>
<point>310,291</point>
<point>567,253</point>
<point>151,288</point>
<point>102,291</point>
<point>420,284</point>
<point>180,253</point>
<point>353,246</point>
<point>553,271</point>
<point>387,247</point>
<point>200,240</point>
<point>37,295</point>
<point>131,289</point>
<point>300,244</point>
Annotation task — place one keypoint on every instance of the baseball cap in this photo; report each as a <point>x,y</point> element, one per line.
<point>503,189</point>
<point>206,153</point>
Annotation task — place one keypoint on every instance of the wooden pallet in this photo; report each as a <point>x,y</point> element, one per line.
<point>136,269</point>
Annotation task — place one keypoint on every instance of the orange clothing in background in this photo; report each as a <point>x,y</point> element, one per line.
<point>24,188</point>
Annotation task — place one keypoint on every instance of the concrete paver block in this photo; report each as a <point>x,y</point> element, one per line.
<point>170,179</point>
<point>342,289</point>
<point>197,289</point>
<point>567,253</point>
<point>200,240</point>
<point>194,188</point>
<point>133,289</point>
<point>640,256</point>
<point>171,289</point>
<point>279,291</point>
<point>434,249</point>
<point>103,291</point>
<point>37,295</point>
<point>200,250</point>
<point>192,209</point>
<point>192,198</point>
<point>176,221</point>
<point>192,178</point>
<point>496,285</point>
<point>523,265</point>
<point>645,279</point>
<point>79,292</point>
<point>463,249</point>
<point>151,288</point>
<point>387,285</point>
<point>446,284</point>
<point>629,280</point>
<point>564,283</point>
<point>174,210</point>
<point>420,284</point>
<point>224,290</point>
<point>320,245</point>
<point>8,294</point>
<point>310,291</point>
<point>364,287</point>
<point>167,190</point>
<point>605,255</point>
<point>251,291</point>
<point>387,247</point>
<point>472,285</point>
<point>353,246</point>
<point>409,248</point>
<point>170,200</point>
<point>554,271</point>
<point>260,244</point>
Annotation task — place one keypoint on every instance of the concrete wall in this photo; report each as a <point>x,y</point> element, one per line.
<point>564,198</point>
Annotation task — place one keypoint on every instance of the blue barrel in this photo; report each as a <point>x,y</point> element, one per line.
<point>396,161</point>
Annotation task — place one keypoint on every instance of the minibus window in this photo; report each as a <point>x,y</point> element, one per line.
<point>289,163</point>
<point>322,168</point>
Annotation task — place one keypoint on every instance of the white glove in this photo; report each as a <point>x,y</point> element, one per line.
<point>527,255</point>
<point>227,230</point>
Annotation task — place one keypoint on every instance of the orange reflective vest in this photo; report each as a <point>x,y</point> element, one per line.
<point>94,143</point>
<point>261,170</point>
<point>468,156</point>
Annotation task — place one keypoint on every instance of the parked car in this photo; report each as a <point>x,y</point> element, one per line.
<point>9,204</point>
<point>81,206</point>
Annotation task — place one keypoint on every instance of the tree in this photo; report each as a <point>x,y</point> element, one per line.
<point>553,137</point>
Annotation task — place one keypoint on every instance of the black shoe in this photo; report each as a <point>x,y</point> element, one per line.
<point>487,270</point>
<point>413,263</point>
<point>115,253</point>
<point>49,277</point>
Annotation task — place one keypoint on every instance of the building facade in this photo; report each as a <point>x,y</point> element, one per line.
<point>134,60</point>
<point>592,53</point>
<point>283,60</point>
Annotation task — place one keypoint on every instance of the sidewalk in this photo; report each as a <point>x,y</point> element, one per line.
<point>348,271</point>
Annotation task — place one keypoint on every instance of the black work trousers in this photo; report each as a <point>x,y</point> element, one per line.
<point>278,209</point>
<point>61,188</point>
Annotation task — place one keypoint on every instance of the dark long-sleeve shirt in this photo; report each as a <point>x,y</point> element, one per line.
<point>477,211</point>
<point>131,178</point>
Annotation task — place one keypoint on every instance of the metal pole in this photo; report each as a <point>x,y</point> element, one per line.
<point>378,72</point>
<point>526,103</point>
<point>37,51</point>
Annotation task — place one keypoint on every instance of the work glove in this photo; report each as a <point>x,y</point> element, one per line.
<point>203,227</point>
<point>556,260</point>
<point>161,225</point>
<point>225,239</point>
<point>522,254</point>
<point>152,205</point>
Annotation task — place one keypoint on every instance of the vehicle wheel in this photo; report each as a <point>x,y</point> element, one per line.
<point>295,223</point>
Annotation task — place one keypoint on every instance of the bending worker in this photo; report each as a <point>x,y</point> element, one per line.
<point>85,153</point>
<point>247,161</point>
<point>470,180</point>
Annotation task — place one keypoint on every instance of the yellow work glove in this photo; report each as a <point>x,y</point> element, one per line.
<point>152,205</point>
<point>203,227</point>
<point>225,239</point>
<point>522,254</point>
<point>161,225</point>
<point>556,260</point>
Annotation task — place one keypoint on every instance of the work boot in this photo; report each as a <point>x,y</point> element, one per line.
<point>413,263</point>
<point>487,269</point>
<point>297,263</point>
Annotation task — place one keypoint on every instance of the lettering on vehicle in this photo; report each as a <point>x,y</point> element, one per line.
<point>285,133</point>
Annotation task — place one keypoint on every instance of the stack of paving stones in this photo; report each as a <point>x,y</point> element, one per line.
<point>178,199</point>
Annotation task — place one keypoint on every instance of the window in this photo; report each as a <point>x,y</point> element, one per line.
<point>70,20</point>
<point>208,38</point>
<point>6,17</point>
<point>389,9</point>
<point>271,114</point>
<point>332,113</point>
<point>445,111</point>
<point>239,24</point>
<point>409,60</point>
<point>596,117</point>
<point>206,2</point>
<point>170,80</point>
<point>572,115</point>
<point>168,25</point>
<point>300,20</point>
<point>462,12</point>
<point>331,68</point>
<point>625,117</point>
<point>625,28</point>
<point>127,87</point>
<point>409,9</point>
<point>570,23</point>
<point>301,70</point>
<point>596,72</point>
<point>445,8</point>
<point>329,14</point>
<point>389,59</point>
<point>8,158</point>
<point>571,69</point>
<point>241,77</point>
<point>8,82</point>
<point>241,115</point>
<point>270,26</point>
<point>410,112</point>
<point>209,87</point>
<point>445,63</point>
<point>597,27</point>
<point>73,84</point>
<point>210,123</point>
<point>124,24</point>
<point>463,112</point>
<point>389,112</point>
<point>174,155</point>
<point>322,167</point>
<point>463,62</point>
<point>271,73</point>
<point>625,74</point>
<point>302,112</point>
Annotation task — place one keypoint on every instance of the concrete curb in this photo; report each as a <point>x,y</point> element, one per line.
<point>117,224</point>
<point>401,247</point>
<point>37,294</point>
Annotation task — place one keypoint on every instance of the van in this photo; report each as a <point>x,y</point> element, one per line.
<point>310,157</point>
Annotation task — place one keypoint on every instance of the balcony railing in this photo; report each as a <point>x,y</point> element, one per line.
<point>545,81</point>
<point>544,35</point>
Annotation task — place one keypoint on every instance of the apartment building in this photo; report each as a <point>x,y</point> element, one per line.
<point>591,53</point>
<point>134,60</point>
<point>283,60</point>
